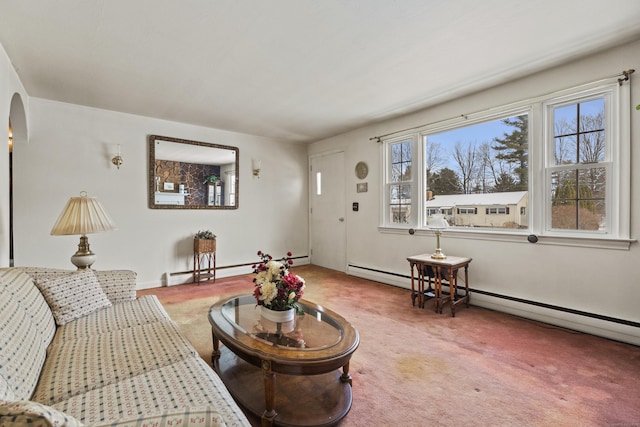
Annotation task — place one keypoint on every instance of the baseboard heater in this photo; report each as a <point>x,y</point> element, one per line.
<point>520,300</point>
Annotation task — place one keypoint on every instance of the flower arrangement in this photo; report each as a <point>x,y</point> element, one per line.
<point>275,287</point>
<point>205,234</point>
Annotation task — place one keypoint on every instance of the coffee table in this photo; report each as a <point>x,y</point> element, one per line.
<point>307,354</point>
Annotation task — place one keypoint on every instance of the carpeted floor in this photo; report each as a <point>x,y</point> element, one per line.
<point>418,368</point>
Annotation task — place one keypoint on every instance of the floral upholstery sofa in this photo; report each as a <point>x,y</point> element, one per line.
<point>78,348</point>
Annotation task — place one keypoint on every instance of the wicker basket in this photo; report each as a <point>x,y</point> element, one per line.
<point>204,245</point>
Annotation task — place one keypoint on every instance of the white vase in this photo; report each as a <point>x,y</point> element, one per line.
<point>278,316</point>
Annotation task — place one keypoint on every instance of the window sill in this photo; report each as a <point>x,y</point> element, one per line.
<point>519,237</point>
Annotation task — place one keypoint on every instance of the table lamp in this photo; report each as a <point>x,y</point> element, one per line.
<point>437,223</point>
<point>81,216</point>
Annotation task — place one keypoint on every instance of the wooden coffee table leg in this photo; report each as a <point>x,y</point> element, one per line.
<point>215,355</point>
<point>346,377</point>
<point>270,413</point>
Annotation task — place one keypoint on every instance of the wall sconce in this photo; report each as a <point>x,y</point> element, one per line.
<point>117,160</point>
<point>256,167</point>
<point>437,224</point>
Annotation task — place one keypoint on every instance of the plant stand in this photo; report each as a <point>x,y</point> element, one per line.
<point>204,255</point>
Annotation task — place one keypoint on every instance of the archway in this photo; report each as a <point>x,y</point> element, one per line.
<point>17,134</point>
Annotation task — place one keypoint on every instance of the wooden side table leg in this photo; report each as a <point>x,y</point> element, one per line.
<point>413,289</point>
<point>270,413</point>
<point>437,287</point>
<point>194,267</point>
<point>421,298</point>
<point>466,284</point>
<point>453,290</point>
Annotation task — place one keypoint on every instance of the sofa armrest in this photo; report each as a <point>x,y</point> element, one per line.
<point>119,285</point>
<point>183,417</point>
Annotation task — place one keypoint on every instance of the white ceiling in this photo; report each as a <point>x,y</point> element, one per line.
<point>299,70</point>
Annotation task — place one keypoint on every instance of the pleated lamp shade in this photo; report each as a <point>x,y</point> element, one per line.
<point>83,215</point>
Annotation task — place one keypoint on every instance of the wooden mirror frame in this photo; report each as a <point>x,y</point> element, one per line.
<point>179,167</point>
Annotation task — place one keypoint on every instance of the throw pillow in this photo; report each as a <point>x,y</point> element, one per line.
<point>31,414</point>
<point>73,295</point>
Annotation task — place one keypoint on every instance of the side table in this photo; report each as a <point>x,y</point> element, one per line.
<point>204,254</point>
<point>437,270</point>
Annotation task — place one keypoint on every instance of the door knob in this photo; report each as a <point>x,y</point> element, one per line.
<point>341,219</point>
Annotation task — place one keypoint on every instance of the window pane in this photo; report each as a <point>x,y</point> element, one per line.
<point>564,119</point>
<point>592,147</point>
<point>401,161</point>
<point>592,115</point>
<point>579,199</point>
<point>583,122</point>
<point>318,183</point>
<point>474,167</point>
<point>400,203</point>
<point>565,151</point>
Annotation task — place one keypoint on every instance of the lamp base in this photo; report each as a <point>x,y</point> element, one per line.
<point>438,254</point>
<point>83,261</point>
<point>83,258</point>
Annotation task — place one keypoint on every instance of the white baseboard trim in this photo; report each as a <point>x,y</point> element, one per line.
<point>593,326</point>
<point>182,278</point>
<point>379,276</point>
<point>582,323</point>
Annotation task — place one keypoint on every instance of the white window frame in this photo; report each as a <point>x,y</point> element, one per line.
<point>618,187</point>
<point>414,181</point>
<point>617,220</point>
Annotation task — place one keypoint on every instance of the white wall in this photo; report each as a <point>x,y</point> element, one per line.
<point>599,281</point>
<point>10,85</point>
<point>70,150</point>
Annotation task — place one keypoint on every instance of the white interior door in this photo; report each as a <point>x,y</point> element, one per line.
<point>327,223</point>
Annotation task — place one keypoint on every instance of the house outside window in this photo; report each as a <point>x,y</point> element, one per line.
<point>566,154</point>
<point>482,211</point>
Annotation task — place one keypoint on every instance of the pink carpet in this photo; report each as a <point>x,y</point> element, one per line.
<point>417,368</point>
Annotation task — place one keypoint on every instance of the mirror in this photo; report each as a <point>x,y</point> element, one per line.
<point>186,174</point>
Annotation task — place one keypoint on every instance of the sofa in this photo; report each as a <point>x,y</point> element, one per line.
<point>78,348</point>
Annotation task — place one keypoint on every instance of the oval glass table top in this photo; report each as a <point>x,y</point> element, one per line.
<point>319,333</point>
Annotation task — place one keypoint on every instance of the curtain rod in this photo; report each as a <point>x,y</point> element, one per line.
<point>622,77</point>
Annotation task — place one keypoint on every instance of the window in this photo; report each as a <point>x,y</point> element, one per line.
<point>578,170</point>
<point>467,211</point>
<point>318,183</point>
<point>565,156</point>
<point>399,182</point>
<point>497,211</point>
<point>231,187</point>
<point>478,166</point>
